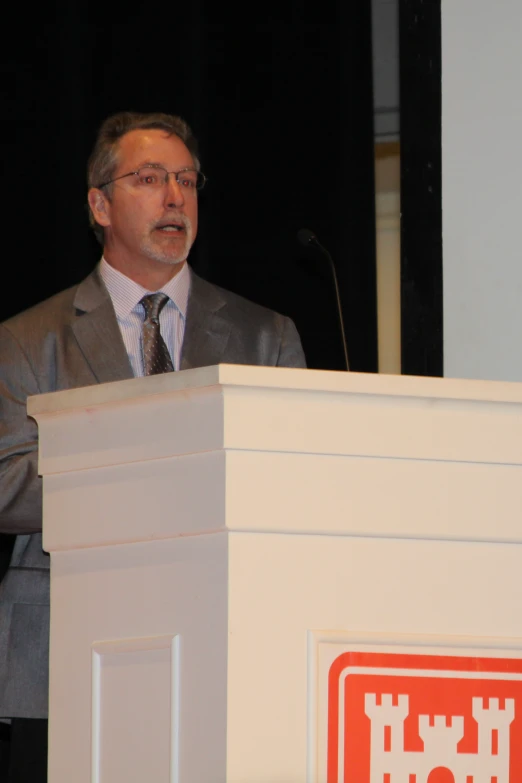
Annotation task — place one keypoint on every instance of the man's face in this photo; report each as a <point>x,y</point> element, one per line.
<point>148,225</point>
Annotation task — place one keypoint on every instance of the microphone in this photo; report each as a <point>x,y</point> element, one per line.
<point>309,239</point>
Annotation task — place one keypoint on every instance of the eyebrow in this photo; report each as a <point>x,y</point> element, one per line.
<point>155,164</point>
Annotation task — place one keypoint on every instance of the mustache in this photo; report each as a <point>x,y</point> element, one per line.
<point>177,218</point>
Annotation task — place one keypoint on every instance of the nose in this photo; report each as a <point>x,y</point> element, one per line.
<point>174,196</point>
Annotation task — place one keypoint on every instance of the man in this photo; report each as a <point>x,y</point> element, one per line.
<point>144,176</point>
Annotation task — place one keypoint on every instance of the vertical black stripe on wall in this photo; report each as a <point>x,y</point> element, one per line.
<point>421,187</point>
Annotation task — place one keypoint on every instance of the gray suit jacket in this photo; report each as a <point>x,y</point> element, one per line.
<point>73,340</point>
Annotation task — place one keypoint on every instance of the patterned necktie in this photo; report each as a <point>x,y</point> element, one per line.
<point>156,357</point>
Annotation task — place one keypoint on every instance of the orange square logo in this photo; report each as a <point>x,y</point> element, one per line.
<point>423,718</point>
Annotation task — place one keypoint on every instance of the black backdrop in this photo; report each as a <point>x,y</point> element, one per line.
<point>284,115</point>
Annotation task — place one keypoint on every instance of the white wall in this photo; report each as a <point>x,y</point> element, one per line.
<point>482,188</point>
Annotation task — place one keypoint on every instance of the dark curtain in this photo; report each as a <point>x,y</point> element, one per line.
<point>284,115</point>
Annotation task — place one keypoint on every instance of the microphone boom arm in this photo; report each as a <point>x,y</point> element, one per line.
<point>307,237</point>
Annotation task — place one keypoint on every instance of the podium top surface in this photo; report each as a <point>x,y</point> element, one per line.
<point>252,441</point>
<point>278,378</point>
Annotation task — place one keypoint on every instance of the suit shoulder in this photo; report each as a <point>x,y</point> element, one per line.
<point>46,315</point>
<point>256,334</point>
<point>237,305</point>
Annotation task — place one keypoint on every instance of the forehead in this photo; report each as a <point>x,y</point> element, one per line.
<point>152,146</point>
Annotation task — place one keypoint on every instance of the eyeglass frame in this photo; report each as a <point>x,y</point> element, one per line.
<point>157,166</point>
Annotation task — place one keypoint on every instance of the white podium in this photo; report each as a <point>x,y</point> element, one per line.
<point>246,561</point>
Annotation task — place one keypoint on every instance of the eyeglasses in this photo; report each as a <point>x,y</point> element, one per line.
<point>155,177</point>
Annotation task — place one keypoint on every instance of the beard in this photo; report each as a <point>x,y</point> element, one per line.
<point>167,249</point>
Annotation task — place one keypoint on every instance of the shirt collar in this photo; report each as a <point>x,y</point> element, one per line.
<point>126,293</point>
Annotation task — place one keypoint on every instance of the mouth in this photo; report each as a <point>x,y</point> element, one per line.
<point>171,228</point>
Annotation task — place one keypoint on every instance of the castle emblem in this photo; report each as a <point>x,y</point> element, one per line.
<point>391,763</point>
<point>407,715</point>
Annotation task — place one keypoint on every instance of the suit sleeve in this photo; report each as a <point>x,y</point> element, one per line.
<point>20,485</point>
<point>291,352</point>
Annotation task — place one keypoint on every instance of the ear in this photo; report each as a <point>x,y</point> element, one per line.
<point>100,206</point>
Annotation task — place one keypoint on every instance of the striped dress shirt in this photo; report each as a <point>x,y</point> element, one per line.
<point>126,296</point>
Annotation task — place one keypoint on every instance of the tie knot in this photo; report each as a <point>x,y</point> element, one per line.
<point>153,305</point>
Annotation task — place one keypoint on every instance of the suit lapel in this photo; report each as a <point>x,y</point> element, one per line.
<point>207,331</point>
<point>97,332</point>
